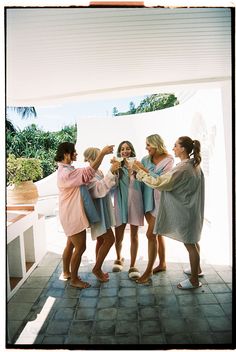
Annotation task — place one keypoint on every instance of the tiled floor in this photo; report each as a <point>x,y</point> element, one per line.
<point>46,311</point>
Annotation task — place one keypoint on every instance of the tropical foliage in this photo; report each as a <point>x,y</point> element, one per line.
<point>150,103</point>
<point>24,111</point>
<point>23,169</point>
<point>33,142</point>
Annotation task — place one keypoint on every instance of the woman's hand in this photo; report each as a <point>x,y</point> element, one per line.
<point>108,149</point>
<point>113,160</point>
<point>115,166</point>
<point>137,165</point>
<point>97,162</point>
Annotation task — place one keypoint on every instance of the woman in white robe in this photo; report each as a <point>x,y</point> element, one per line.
<point>181,211</point>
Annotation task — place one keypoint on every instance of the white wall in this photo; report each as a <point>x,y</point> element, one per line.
<point>201,117</point>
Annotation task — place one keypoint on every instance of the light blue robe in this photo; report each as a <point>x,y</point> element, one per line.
<point>151,197</point>
<point>128,202</point>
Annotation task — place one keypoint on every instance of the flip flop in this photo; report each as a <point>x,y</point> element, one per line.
<point>134,273</point>
<point>118,265</point>
<point>188,272</point>
<point>187,285</point>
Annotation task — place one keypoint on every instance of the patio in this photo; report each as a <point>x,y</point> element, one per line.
<point>47,311</point>
<point>138,51</point>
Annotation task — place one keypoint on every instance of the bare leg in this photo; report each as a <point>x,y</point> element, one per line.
<point>99,243</point>
<point>198,249</point>
<point>79,242</point>
<point>108,240</point>
<point>134,244</point>
<point>161,254</point>
<point>67,254</point>
<point>194,259</point>
<point>119,235</point>
<point>152,250</point>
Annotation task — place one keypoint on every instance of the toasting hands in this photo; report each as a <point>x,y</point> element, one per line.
<point>137,165</point>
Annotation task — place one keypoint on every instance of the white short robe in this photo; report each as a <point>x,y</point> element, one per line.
<point>181,211</point>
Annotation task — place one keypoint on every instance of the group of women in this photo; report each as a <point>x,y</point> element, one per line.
<point>171,199</point>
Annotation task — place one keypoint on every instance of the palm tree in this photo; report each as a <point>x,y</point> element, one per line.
<point>10,127</point>
<point>24,111</point>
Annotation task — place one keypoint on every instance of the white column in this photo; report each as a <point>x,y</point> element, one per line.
<point>226,94</point>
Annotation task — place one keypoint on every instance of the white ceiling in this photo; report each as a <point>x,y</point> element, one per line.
<point>57,54</point>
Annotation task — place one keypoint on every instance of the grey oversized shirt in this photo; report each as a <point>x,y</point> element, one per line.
<point>181,211</point>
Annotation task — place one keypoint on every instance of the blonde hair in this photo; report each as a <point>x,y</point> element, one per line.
<point>157,142</point>
<point>91,154</point>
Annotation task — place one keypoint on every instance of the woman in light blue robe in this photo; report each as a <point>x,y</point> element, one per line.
<point>157,162</point>
<point>181,211</point>
<point>128,205</point>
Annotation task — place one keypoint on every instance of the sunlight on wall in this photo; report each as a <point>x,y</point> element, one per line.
<point>201,117</point>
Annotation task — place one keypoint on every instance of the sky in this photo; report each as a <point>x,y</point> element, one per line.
<point>54,118</point>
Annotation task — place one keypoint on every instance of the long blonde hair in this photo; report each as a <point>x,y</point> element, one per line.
<point>91,153</point>
<point>157,142</point>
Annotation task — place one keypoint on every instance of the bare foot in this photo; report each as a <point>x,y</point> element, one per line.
<point>159,268</point>
<point>79,283</point>
<point>101,276</point>
<point>144,279</point>
<point>66,275</point>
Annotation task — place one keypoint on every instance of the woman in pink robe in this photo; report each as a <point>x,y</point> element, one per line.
<point>71,208</point>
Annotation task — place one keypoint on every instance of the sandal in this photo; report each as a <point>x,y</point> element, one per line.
<point>118,265</point>
<point>187,285</point>
<point>134,273</point>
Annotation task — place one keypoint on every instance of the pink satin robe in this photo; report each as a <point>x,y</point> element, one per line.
<point>71,210</point>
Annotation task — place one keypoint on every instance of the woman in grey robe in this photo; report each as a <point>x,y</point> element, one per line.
<point>181,211</point>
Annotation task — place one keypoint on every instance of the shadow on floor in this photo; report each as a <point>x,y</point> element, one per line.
<point>47,311</point>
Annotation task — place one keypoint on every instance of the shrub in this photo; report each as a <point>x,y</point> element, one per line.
<point>23,169</point>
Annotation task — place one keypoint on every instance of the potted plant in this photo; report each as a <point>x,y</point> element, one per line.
<point>21,172</point>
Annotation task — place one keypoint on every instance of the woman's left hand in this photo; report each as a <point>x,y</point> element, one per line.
<point>137,166</point>
<point>115,166</point>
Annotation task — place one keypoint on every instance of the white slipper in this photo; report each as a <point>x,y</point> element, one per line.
<point>187,285</point>
<point>188,272</point>
<point>118,265</point>
<point>134,273</point>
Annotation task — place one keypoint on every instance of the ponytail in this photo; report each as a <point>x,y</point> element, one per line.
<point>192,147</point>
<point>196,153</point>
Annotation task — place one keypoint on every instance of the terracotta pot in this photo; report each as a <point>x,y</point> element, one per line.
<point>23,193</point>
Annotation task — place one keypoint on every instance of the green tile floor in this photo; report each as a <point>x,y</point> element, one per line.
<point>47,312</point>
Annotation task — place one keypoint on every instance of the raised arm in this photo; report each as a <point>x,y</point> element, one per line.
<point>163,183</point>
<point>166,182</point>
<point>100,188</point>
<point>74,177</point>
<point>97,162</point>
